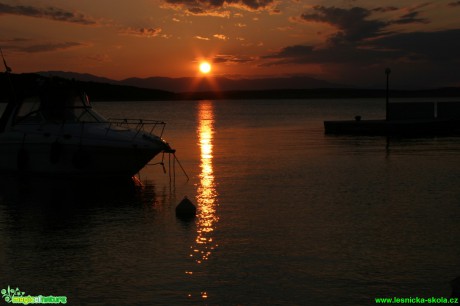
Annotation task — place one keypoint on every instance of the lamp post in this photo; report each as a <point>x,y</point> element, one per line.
<point>387,72</point>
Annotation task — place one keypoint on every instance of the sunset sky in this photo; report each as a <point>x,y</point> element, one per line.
<point>342,41</point>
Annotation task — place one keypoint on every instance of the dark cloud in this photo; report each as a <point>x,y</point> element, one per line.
<point>415,46</point>
<point>47,47</point>
<point>410,18</point>
<point>27,45</point>
<point>196,11</point>
<point>352,24</point>
<point>427,46</point>
<point>355,25</point>
<point>256,4</point>
<point>48,13</point>
<point>385,9</point>
<point>205,5</point>
<point>141,32</point>
<point>365,43</point>
<point>340,54</point>
<point>14,40</point>
<point>208,12</point>
<point>417,57</point>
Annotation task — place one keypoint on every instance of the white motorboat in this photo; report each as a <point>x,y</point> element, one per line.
<point>55,131</point>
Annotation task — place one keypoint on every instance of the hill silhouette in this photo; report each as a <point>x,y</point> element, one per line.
<point>21,85</point>
<point>203,84</point>
<point>207,84</point>
<point>101,89</point>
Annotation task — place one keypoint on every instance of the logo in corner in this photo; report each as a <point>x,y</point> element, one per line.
<point>16,296</point>
<point>9,293</point>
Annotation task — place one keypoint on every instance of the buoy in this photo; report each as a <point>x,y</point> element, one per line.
<point>185,209</point>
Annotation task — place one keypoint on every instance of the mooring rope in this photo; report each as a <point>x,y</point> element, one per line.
<point>173,172</point>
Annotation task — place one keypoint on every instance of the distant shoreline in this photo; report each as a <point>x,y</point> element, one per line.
<point>99,92</point>
<point>320,93</point>
<point>141,94</point>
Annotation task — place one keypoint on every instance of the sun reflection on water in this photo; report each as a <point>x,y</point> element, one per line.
<point>206,191</point>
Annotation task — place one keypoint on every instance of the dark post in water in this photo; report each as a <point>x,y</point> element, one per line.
<point>387,72</point>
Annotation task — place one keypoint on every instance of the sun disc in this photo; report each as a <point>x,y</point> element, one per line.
<point>205,67</point>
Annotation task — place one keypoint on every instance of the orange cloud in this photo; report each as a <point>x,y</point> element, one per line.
<point>141,32</point>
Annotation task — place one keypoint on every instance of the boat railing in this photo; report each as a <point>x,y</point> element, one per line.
<point>138,125</point>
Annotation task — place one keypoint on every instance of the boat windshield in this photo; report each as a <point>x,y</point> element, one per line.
<point>57,107</point>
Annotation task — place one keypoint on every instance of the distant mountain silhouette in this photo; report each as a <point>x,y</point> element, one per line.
<point>98,89</point>
<point>86,77</point>
<point>161,88</point>
<point>203,84</point>
<point>168,84</point>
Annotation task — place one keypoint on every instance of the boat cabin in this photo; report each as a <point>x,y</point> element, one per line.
<point>56,104</point>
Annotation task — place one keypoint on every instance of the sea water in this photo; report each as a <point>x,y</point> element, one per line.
<point>286,214</point>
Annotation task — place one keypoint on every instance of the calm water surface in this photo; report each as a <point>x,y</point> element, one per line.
<point>286,214</point>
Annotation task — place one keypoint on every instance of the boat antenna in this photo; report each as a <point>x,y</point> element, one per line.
<point>7,68</point>
<point>8,71</point>
<point>7,113</point>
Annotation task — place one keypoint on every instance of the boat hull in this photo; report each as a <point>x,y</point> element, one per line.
<point>73,160</point>
<point>75,150</point>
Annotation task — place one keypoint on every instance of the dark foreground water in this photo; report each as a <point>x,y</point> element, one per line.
<point>286,214</point>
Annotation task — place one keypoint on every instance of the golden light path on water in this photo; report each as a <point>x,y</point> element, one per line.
<point>206,190</point>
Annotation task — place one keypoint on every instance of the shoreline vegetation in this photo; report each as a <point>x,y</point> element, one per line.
<point>100,92</point>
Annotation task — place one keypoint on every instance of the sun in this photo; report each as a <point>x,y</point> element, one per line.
<point>205,67</point>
